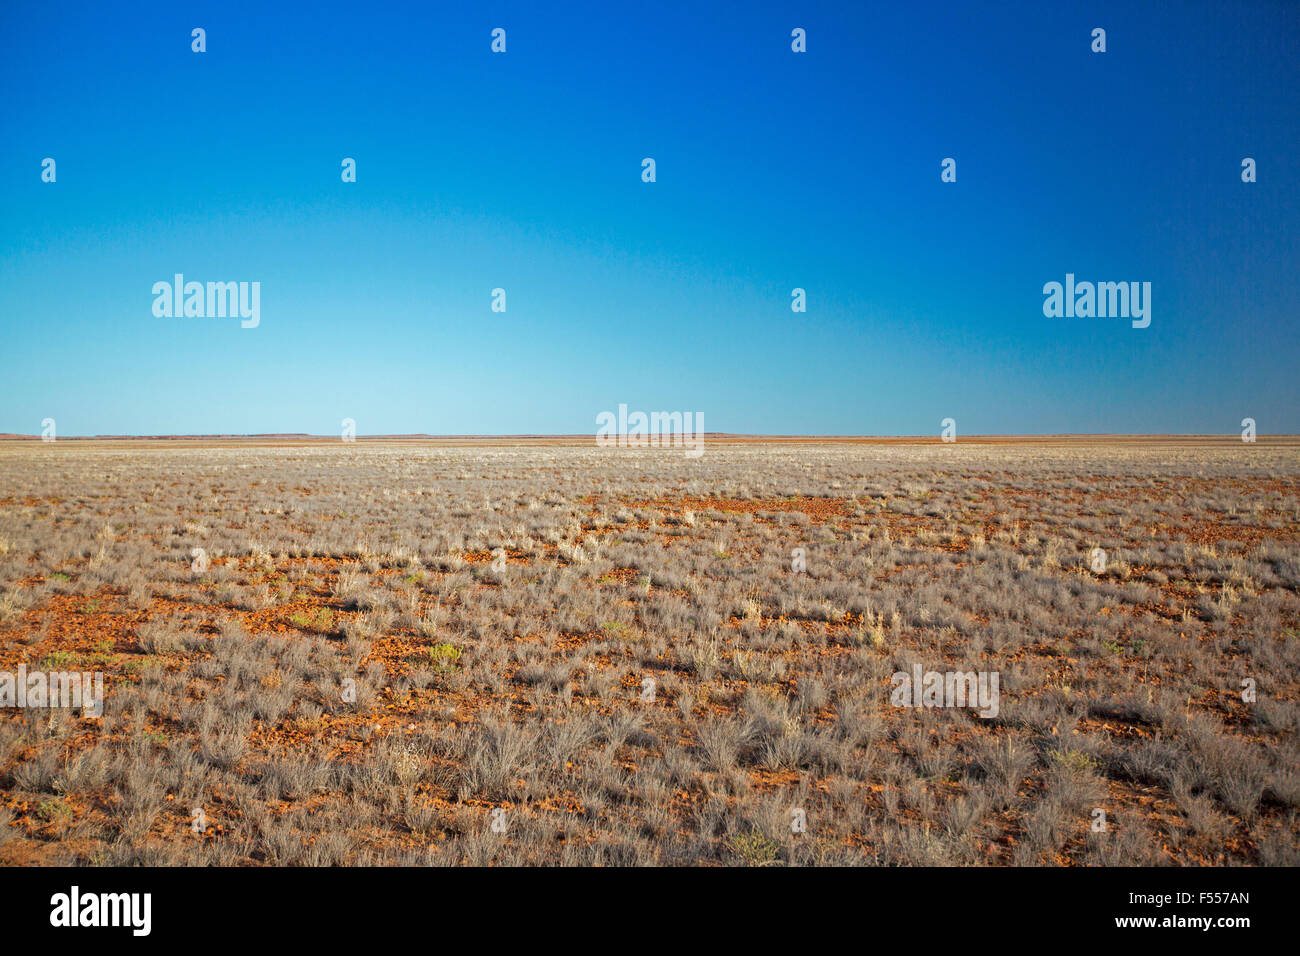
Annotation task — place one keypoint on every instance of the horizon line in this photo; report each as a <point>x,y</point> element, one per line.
<point>558,437</point>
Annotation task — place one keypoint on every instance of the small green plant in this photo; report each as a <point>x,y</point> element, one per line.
<point>755,848</point>
<point>54,810</point>
<point>321,619</point>
<point>58,660</point>
<point>442,655</point>
<point>101,657</point>
<point>59,576</point>
<point>1075,760</point>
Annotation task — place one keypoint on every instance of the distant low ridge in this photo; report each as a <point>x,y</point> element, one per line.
<point>716,437</point>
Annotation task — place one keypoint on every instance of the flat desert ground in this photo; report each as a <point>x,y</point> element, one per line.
<point>496,652</point>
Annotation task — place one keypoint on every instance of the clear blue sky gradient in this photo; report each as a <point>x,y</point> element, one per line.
<point>775,170</point>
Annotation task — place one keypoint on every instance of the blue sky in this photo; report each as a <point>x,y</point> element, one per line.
<point>775,170</point>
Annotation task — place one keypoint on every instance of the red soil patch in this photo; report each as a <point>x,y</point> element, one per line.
<point>819,509</point>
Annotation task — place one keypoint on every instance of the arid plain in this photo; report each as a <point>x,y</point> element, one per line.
<point>413,652</point>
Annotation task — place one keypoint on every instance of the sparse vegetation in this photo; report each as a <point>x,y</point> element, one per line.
<point>391,643</point>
